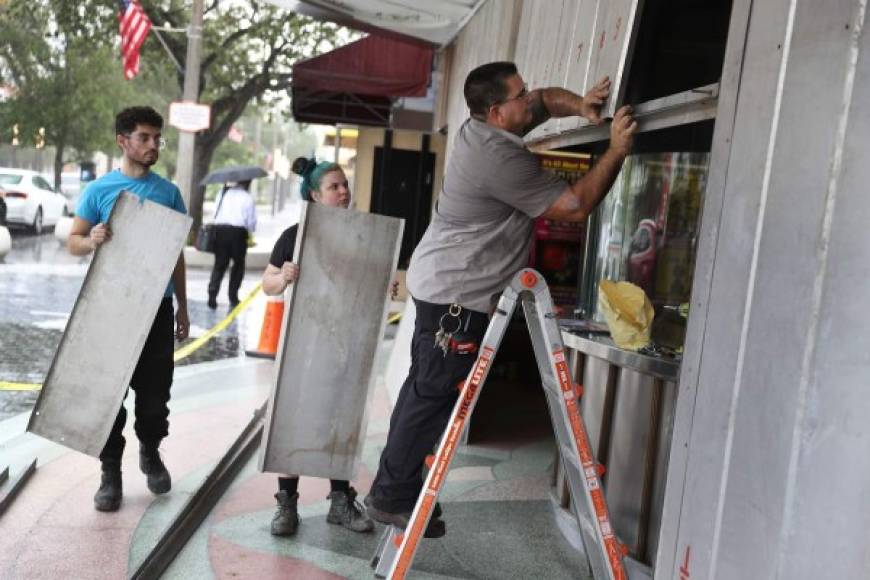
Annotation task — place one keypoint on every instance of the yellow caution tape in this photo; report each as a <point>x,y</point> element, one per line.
<point>188,349</point>
<point>5,386</point>
<point>183,352</point>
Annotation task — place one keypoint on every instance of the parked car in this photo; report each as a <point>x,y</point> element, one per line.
<point>30,200</point>
<point>71,188</point>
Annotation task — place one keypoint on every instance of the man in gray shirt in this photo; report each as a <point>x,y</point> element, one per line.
<point>478,239</point>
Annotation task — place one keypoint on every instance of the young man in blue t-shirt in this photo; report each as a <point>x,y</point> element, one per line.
<point>137,132</point>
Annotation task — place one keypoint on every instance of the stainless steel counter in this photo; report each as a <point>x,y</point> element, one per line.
<point>602,347</point>
<point>628,407</point>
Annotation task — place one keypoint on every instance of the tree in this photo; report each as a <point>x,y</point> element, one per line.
<point>248,52</point>
<point>65,79</point>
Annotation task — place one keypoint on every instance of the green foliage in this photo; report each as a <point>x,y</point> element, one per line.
<point>248,50</point>
<point>62,60</point>
<point>64,80</point>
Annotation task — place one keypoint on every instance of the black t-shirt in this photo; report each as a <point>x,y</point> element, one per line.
<point>284,247</point>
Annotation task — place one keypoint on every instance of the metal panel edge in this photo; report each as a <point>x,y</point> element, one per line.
<point>625,59</point>
<point>279,360</point>
<point>381,330</point>
<point>667,560</point>
<point>699,104</point>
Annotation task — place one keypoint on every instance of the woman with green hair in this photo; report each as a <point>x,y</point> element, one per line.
<point>323,183</point>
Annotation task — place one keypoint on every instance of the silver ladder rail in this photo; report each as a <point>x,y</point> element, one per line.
<point>397,547</point>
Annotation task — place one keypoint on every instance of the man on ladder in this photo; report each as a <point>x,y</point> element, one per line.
<point>478,239</point>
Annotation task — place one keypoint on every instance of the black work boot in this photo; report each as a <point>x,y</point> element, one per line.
<point>108,497</point>
<point>346,511</point>
<point>154,470</point>
<point>286,519</point>
<point>436,528</point>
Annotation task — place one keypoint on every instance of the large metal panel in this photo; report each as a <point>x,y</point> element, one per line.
<point>317,409</point>
<point>612,42</point>
<point>110,321</point>
<point>537,46</point>
<point>579,52</point>
<point>624,486</point>
<point>772,477</point>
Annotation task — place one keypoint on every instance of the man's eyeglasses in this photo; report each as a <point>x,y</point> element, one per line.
<point>521,95</point>
<point>143,139</point>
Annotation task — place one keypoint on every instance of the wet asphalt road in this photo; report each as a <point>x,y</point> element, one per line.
<point>39,283</point>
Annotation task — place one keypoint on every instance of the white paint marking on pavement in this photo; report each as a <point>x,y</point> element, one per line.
<point>53,324</point>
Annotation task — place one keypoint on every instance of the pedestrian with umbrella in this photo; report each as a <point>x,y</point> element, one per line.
<point>235,219</point>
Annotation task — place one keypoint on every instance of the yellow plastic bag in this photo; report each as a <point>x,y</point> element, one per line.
<point>628,312</point>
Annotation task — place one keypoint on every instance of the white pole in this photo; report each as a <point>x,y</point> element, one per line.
<point>187,140</point>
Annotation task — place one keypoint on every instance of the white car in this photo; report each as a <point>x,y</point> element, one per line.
<point>30,200</point>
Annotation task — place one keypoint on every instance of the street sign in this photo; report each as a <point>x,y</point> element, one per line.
<point>188,116</point>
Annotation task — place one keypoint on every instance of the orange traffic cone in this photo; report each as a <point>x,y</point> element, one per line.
<point>270,333</point>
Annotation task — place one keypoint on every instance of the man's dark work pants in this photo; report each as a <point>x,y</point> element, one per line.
<point>423,407</point>
<point>230,242</point>
<point>151,381</point>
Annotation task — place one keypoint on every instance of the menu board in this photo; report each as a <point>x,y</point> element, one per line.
<point>557,246</point>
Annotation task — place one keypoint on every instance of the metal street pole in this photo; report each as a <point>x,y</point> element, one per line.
<point>258,137</point>
<point>275,160</point>
<point>186,139</point>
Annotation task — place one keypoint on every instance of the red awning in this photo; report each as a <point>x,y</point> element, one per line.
<point>357,83</point>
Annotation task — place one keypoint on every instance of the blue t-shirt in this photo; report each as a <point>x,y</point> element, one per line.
<point>99,197</point>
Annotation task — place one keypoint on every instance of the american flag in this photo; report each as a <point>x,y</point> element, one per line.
<point>134,28</point>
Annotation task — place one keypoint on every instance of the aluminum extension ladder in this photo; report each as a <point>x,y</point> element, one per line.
<point>396,549</point>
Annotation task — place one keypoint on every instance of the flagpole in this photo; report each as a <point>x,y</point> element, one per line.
<point>156,30</point>
<point>186,139</point>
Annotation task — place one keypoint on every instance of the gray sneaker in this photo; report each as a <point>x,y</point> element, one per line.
<point>286,520</point>
<point>346,511</point>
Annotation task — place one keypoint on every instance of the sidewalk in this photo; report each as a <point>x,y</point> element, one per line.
<point>497,506</point>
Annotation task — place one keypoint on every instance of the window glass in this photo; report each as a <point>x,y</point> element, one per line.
<point>648,232</point>
<point>41,183</point>
<point>9,179</point>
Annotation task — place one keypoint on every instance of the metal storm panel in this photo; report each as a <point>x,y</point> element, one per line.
<point>615,31</point>
<point>577,73</point>
<point>536,50</point>
<point>316,418</point>
<point>110,321</point>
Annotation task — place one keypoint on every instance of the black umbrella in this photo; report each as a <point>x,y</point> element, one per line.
<point>234,174</point>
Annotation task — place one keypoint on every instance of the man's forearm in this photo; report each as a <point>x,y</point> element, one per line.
<point>592,188</point>
<point>179,281</point>
<point>560,102</point>
<point>79,245</point>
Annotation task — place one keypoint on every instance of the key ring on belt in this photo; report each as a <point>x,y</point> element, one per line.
<point>454,311</point>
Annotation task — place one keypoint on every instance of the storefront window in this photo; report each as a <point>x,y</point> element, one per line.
<point>647,234</point>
